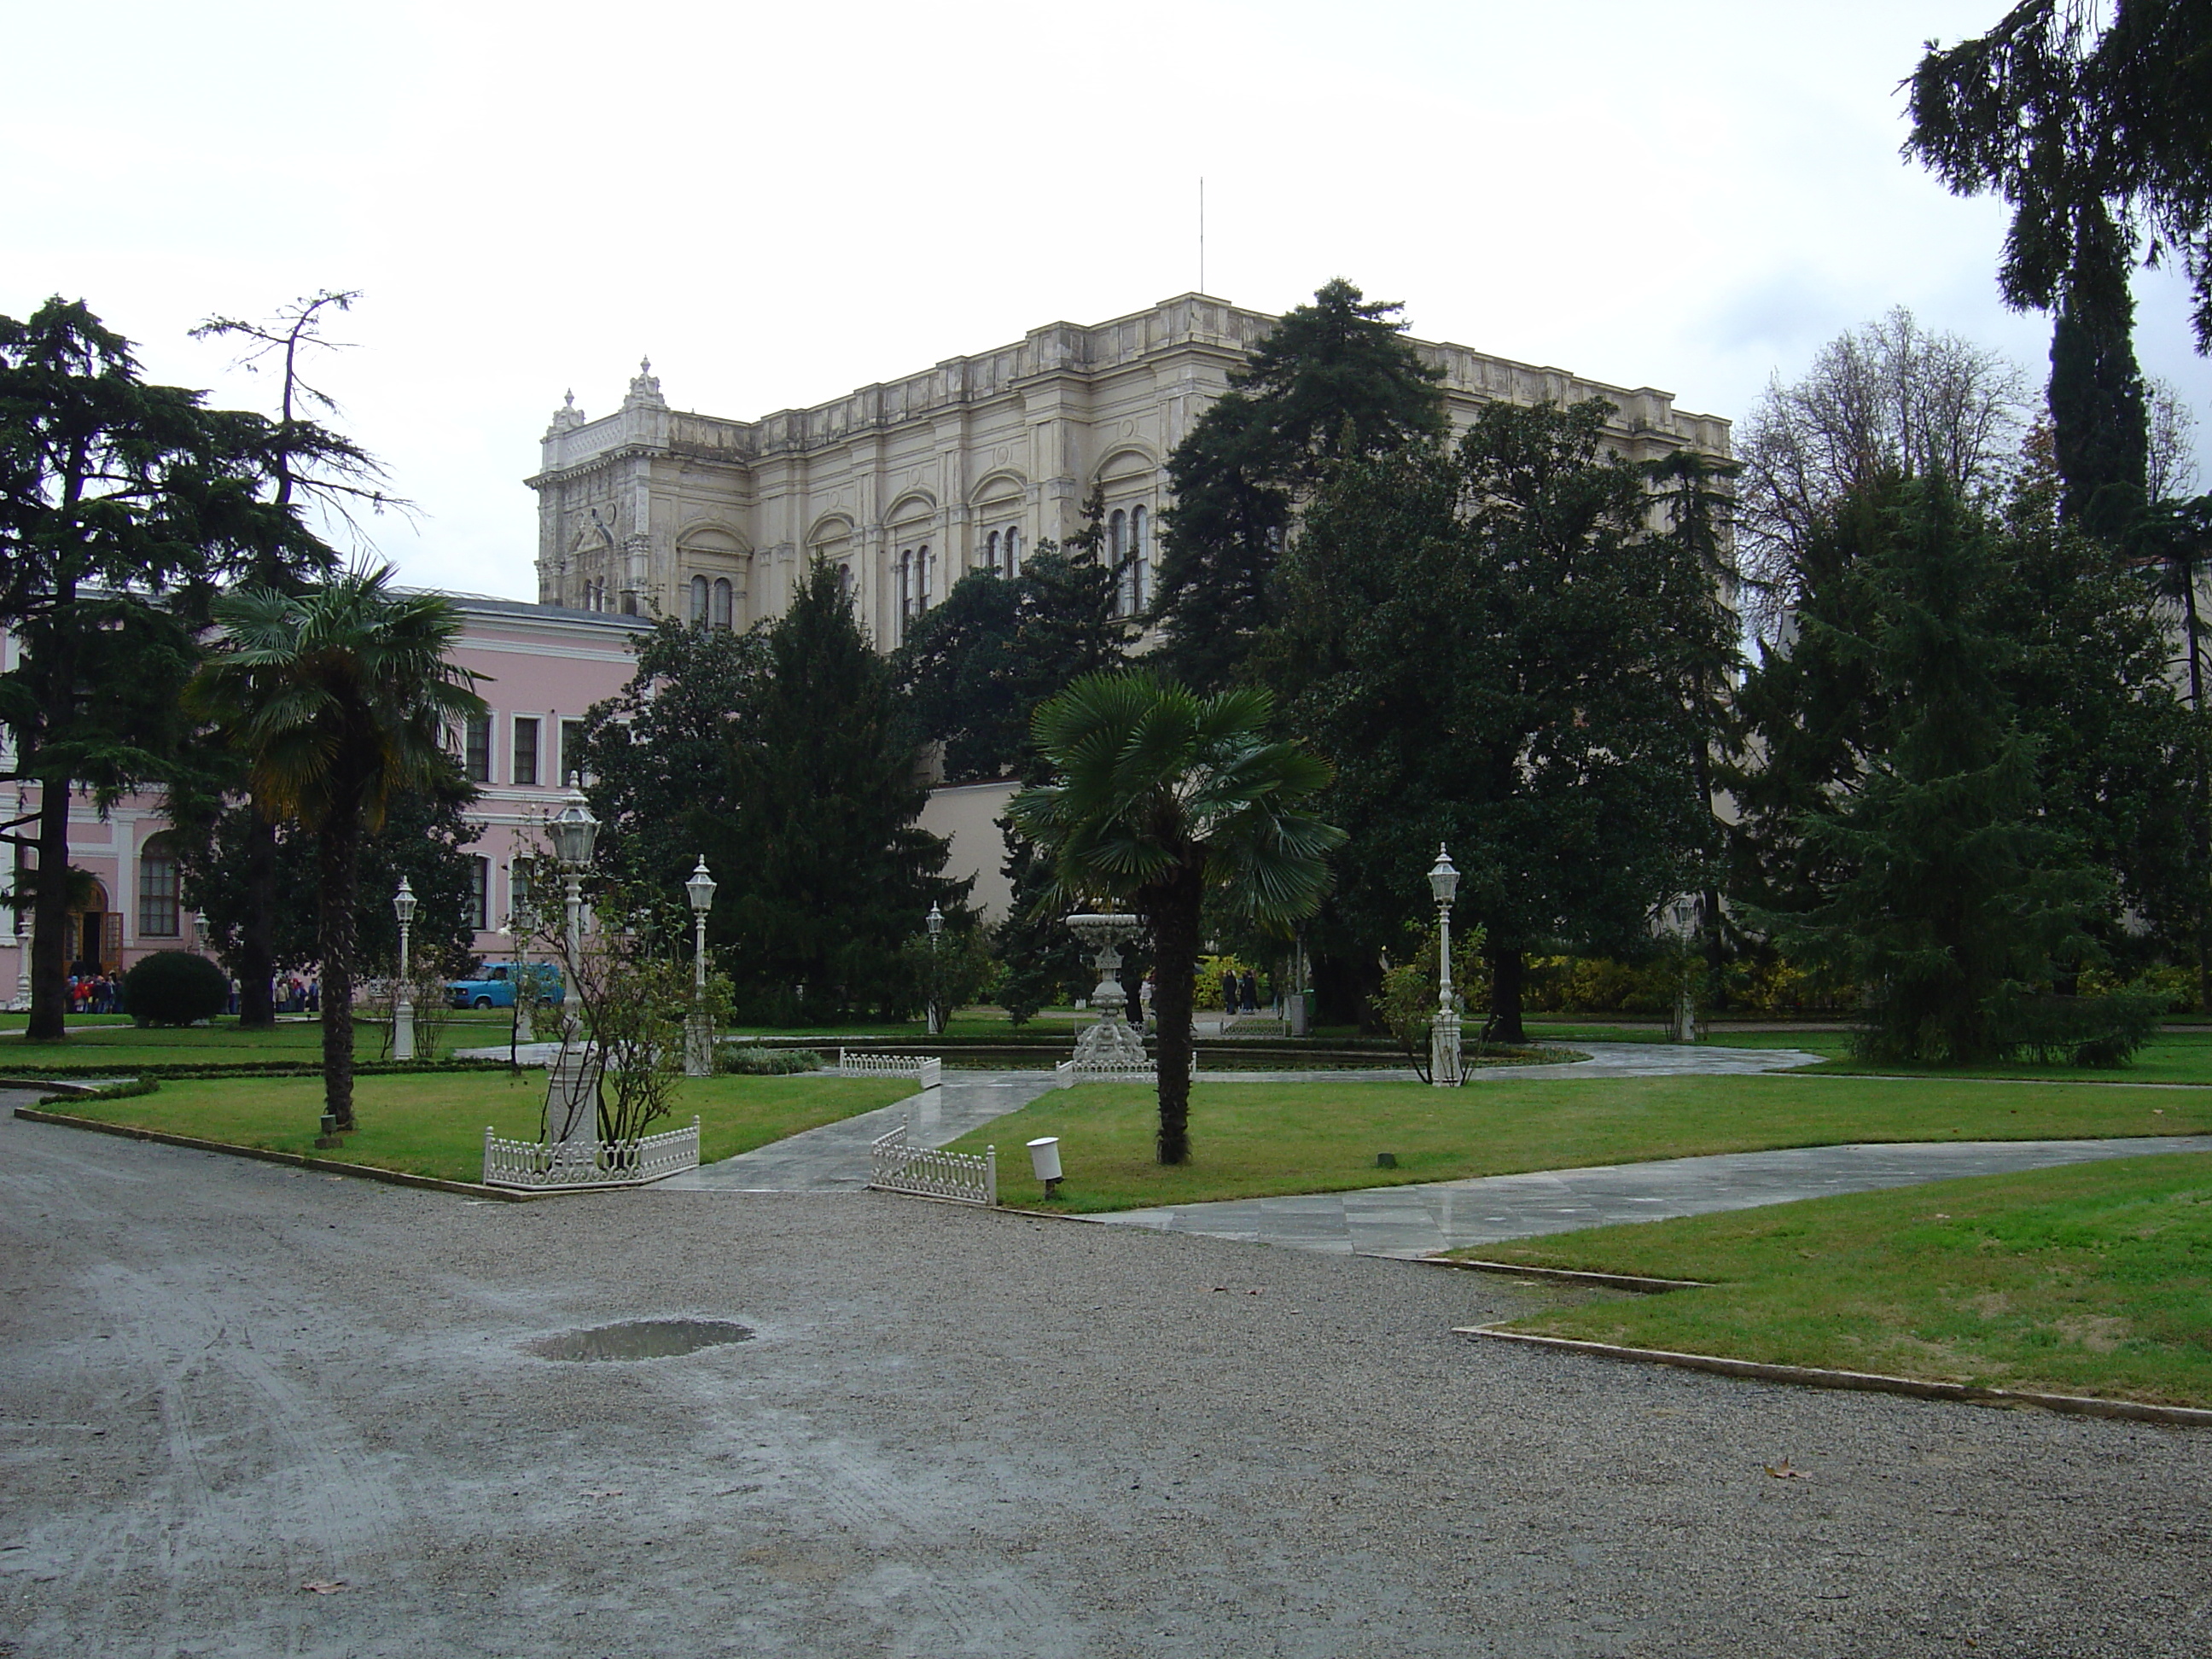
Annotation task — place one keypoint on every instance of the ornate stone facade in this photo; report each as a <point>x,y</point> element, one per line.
<point>909,484</point>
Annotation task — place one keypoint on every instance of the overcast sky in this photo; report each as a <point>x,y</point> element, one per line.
<point>782,202</point>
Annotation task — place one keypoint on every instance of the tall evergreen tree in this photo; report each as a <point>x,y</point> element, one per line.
<point>657,754</point>
<point>1955,887</point>
<point>975,668</point>
<point>120,503</point>
<point>1495,650</point>
<point>824,872</point>
<point>1333,380</point>
<point>2076,128</point>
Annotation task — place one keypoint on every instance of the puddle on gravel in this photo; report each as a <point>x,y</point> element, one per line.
<point>640,1339</point>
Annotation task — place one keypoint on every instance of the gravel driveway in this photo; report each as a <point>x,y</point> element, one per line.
<point>957,1432</point>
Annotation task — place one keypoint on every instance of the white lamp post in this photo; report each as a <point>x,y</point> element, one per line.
<point>403,1006</point>
<point>1445,1070</point>
<point>572,1086</point>
<point>935,923</point>
<point>698,1035</point>
<point>1679,919</point>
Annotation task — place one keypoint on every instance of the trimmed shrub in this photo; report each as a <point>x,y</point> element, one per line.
<point>2054,1031</point>
<point>756,1060</point>
<point>175,988</point>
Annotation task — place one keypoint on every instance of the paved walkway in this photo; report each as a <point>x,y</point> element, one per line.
<point>834,1158</point>
<point>1448,1215</point>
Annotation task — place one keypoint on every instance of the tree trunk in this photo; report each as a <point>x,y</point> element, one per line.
<point>256,932</point>
<point>49,1020</point>
<point>1173,910</point>
<point>338,846</point>
<point>1505,1024</point>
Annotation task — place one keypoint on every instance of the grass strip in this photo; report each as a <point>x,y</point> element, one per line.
<point>434,1125</point>
<point>2093,1280</point>
<point>1268,1139</point>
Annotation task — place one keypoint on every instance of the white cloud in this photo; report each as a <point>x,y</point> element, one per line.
<point>782,203</point>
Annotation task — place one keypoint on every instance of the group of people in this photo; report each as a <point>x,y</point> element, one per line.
<point>1239,995</point>
<point>296,995</point>
<point>95,993</point>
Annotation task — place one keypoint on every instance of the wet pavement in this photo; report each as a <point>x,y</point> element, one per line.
<point>1420,1219</point>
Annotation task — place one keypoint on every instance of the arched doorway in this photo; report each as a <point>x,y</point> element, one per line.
<point>94,938</point>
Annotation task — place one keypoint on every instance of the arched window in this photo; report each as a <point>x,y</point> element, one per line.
<point>845,582</point>
<point>1117,540</point>
<point>1140,557</point>
<point>992,558</point>
<point>157,890</point>
<point>698,602</point>
<point>922,578</point>
<point>905,589</point>
<point>721,611</point>
<point>1013,551</point>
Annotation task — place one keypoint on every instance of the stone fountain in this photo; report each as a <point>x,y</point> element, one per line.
<point>1111,1043</point>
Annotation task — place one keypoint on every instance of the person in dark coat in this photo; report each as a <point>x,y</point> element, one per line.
<point>1251,992</point>
<point>1228,990</point>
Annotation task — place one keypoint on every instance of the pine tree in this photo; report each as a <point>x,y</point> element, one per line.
<point>824,872</point>
<point>1495,650</point>
<point>1957,888</point>
<point>1333,380</point>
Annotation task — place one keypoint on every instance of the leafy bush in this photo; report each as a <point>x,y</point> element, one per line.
<point>2054,1031</point>
<point>175,988</point>
<point>754,1060</point>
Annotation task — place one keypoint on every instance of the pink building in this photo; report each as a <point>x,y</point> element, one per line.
<point>542,666</point>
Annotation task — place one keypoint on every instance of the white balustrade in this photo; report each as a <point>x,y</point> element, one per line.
<point>894,1166</point>
<point>929,1069</point>
<point>569,1166</point>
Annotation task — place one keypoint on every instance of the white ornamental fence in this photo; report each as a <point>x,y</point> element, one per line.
<point>928,1068</point>
<point>925,1172</point>
<point>571,1166</point>
<point>1069,1073</point>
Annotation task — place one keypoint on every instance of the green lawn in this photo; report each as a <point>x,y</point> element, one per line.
<point>1256,1139</point>
<point>102,1039</point>
<point>2095,1279</point>
<point>434,1124</point>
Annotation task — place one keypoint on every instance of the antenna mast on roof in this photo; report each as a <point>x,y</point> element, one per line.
<point>1201,232</point>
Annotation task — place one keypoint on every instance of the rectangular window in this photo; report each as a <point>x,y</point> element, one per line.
<point>475,759</point>
<point>480,893</point>
<point>526,752</point>
<point>572,750</point>
<point>157,895</point>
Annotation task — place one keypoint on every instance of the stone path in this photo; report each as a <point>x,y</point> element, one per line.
<point>1422,1219</point>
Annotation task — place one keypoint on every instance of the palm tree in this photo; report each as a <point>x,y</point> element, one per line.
<point>1163,797</point>
<point>338,697</point>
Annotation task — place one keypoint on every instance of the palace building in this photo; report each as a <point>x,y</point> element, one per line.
<point>909,484</point>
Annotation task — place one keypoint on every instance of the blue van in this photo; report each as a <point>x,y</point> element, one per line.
<point>494,984</point>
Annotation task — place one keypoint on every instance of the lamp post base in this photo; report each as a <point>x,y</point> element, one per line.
<point>1447,1069</point>
<point>698,1046</point>
<point>403,1031</point>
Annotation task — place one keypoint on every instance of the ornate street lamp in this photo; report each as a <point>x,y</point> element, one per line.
<point>935,923</point>
<point>698,1037</point>
<point>572,1084</point>
<point>403,1007</point>
<point>1445,1070</point>
<point>575,832</point>
<point>1678,920</point>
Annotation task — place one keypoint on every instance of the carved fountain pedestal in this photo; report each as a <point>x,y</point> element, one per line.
<point>1111,1047</point>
